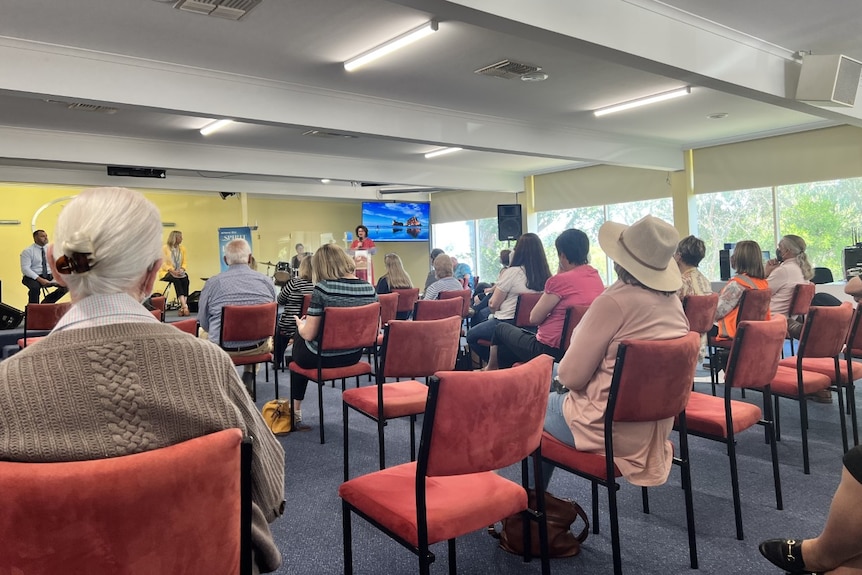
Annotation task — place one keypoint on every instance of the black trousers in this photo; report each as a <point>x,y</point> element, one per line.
<point>181,285</point>
<point>308,360</point>
<point>35,290</point>
<point>515,345</point>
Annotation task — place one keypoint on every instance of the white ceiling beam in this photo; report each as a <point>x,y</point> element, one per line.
<point>64,72</point>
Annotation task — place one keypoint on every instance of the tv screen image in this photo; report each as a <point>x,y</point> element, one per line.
<point>397,221</point>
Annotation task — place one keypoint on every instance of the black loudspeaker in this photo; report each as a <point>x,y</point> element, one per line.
<point>724,264</point>
<point>10,317</point>
<point>194,300</point>
<point>508,222</point>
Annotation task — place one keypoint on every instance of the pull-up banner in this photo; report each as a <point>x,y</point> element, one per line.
<point>225,235</point>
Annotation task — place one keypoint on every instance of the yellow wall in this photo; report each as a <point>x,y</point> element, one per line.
<point>281,223</point>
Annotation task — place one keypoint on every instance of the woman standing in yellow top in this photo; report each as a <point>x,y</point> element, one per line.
<point>174,268</point>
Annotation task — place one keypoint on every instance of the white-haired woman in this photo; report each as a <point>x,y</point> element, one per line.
<point>134,383</point>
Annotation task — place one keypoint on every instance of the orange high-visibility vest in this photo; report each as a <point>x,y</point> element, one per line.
<point>727,324</point>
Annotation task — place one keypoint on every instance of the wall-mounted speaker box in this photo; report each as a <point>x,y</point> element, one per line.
<point>508,222</point>
<point>830,80</point>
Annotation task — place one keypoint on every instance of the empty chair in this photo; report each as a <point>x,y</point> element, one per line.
<point>466,295</point>
<point>823,336</point>
<point>639,392</point>
<point>453,488</point>
<point>425,309</point>
<point>189,326</point>
<point>41,317</point>
<point>752,365</point>
<point>250,323</point>
<point>700,312</point>
<point>799,304</point>
<point>406,298</point>
<point>342,328</point>
<point>411,349</point>
<point>185,508</point>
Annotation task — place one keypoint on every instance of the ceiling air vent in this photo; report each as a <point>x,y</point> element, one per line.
<point>84,107</point>
<point>507,69</point>
<point>227,9</point>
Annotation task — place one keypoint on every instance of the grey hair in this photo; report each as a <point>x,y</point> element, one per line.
<point>796,245</point>
<point>237,252</point>
<point>122,233</point>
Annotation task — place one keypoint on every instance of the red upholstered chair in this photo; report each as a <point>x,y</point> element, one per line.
<point>250,323</point>
<point>426,309</point>
<point>800,302</point>
<point>341,328</point>
<point>651,382</point>
<point>306,301</point>
<point>526,302</point>
<point>574,315</point>
<point>453,489</point>
<point>465,295</point>
<point>700,311</point>
<point>158,314</point>
<point>411,349</point>
<point>752,365</point>
<point>406,299</point>
<point>41,317</point>
<point>185,508</point>
<point>753,306</point>
<point>823,337</point>
<point>158,302</point>
<point>187,325</point>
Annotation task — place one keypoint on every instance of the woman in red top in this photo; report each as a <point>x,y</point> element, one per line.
<point>364,269</point>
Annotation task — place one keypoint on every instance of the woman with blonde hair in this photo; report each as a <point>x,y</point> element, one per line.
<point>174,268</point>
<point>291,297</point>
<point>395,277</point>
<point>335,285</point>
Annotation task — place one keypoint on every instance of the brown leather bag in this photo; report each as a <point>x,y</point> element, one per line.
<point>561,541</point>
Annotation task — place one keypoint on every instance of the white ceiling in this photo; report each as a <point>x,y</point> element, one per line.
<point>279,71</point>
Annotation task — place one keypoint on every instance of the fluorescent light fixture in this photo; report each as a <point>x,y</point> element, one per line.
<point>442,152</point>
<point>213,126</point>
<point>643,101</point>
<point>325,180</point>
<point>391,45</point>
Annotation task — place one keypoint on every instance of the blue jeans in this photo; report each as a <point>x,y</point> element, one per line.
<point>484,330</point>
<point>556,425</point>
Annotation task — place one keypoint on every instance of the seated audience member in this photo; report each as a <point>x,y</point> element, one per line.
<point>838,548</point>
<point>112,366</point>
<point>747,260</point>
<point>528,273</point>
<point>396,277</point>
<point>689,253</point>
<point>445,281</point>
<point>576,283</point>
<point>483,290</point>
<point>335,285</point>
<point>291,297</point>
<point>505,258</point>
<point>854,288</point>
<point>462,273</point>
<point>238,285</point>
<point>432,275</point>
<point>37,273</point>
<point>789,268</point>
<point>640,305</point>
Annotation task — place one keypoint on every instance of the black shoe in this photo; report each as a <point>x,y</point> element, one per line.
<point>248,379</point>
<point>785,553</point>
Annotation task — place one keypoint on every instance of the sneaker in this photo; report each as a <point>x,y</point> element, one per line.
<point>298,425</point>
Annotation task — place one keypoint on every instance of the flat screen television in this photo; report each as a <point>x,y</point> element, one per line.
<point>397,221</point>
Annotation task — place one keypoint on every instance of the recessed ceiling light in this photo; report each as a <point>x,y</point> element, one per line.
<point>442,152</point>
<point>391,45</point>
<point>325,180</point>
<point>534,77</point>
<point>213,126</point>
<point>718,116</point>
<point>642,101</point>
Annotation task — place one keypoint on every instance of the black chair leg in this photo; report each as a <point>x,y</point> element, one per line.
<point>347,536</point>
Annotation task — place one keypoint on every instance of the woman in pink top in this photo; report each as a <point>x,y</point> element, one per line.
<point>577,283</point>
<point>641,304</point>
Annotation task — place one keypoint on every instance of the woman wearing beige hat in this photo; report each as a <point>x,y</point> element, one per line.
<point>641,304</point>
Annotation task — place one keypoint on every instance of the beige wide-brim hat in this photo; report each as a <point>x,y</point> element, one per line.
<point>645,249</point>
